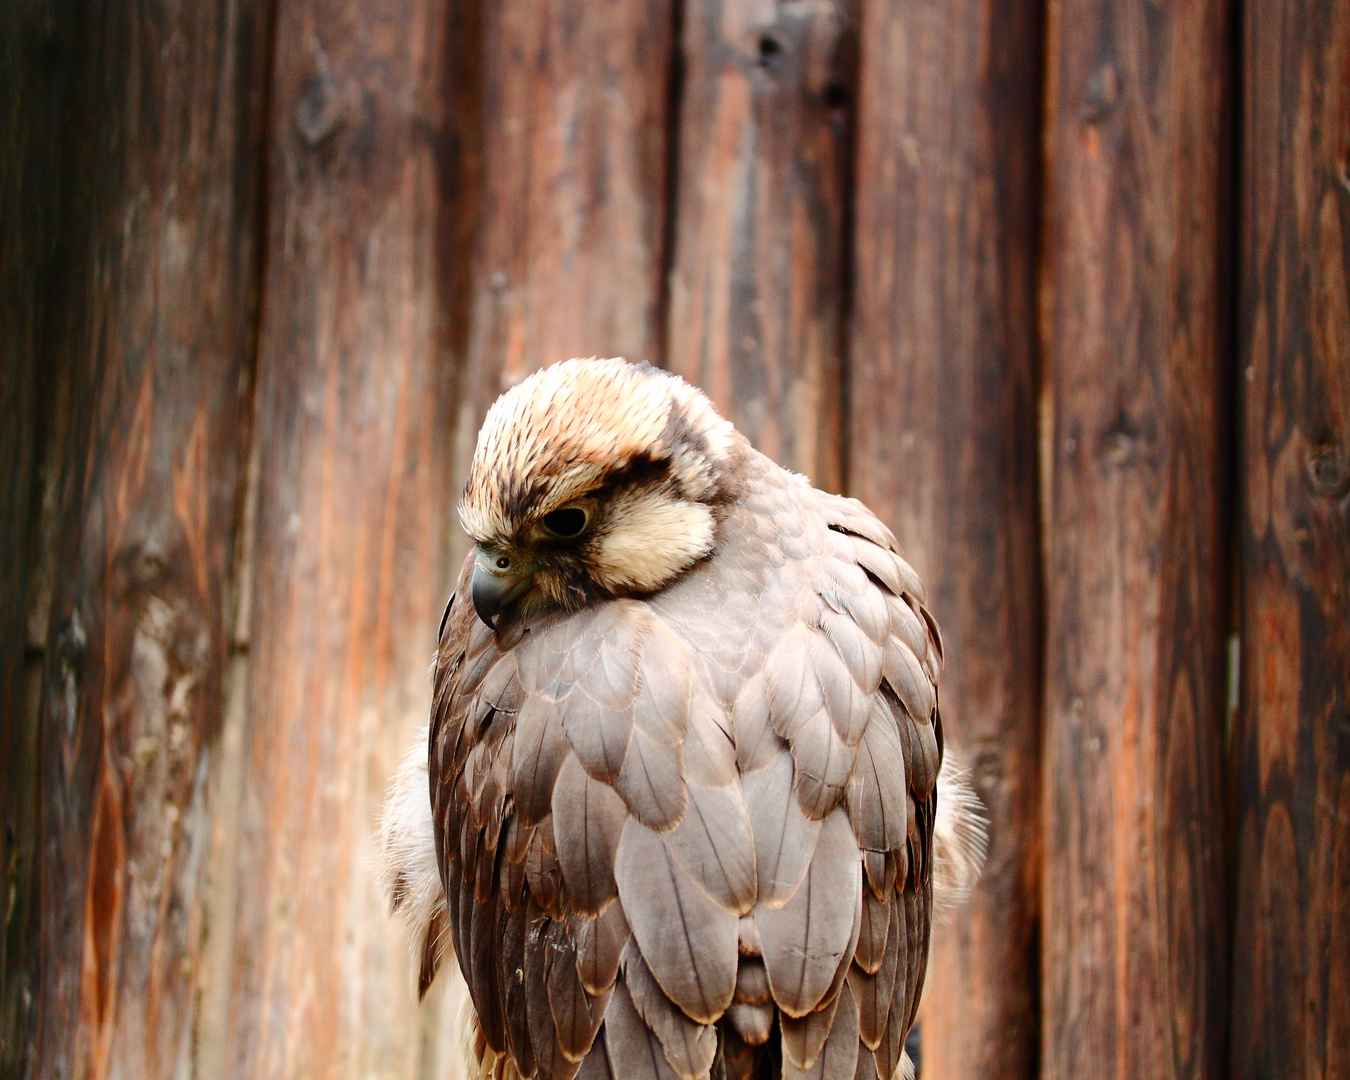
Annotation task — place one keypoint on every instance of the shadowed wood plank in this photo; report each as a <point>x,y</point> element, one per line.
<point>1292,933</point>
<point>353,444</point>
<point>151,162</point>
<point>942,422</point>
<point>1134,956</point>
<point>757,285</point>
<point>35,53</point>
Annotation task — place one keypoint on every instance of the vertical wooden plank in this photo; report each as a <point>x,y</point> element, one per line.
<point>353,441</point>
<point>1292,934</point>
<point>148,337</point>
<point>1134,959</point>
<point>36,41</point>
<point>757,284</point>
<point>572,185</point>
<point>563,192</point>
<point>942,420</point>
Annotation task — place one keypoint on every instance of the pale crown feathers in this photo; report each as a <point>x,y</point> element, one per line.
<point>596,478</point>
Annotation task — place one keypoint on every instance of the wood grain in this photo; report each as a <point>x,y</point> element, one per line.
<point>1292,744</point>
<point>145,337</point>
<point>35,54</point>
<point>560,201</point>
<point>757,287</point>
<point>1134,957</point>
<point>347,568</point>
<point>942,429</point>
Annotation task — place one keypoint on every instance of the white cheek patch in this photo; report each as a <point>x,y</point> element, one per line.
<point>652,539</point>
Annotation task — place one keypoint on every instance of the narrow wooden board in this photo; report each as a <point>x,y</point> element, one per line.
<point>559,220</point>
<point>35,48</point>
<point>757,286</point>
<point>146,336</point>
<point>942,423</point>
<point>353,444</point>
<point>1291,941</point>
<point>1134,954</point>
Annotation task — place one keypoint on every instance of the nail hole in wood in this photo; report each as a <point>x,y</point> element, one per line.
<point>835,95</point>
<point>770,48</point>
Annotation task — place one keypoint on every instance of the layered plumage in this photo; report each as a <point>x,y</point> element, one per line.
<point>684,752</point>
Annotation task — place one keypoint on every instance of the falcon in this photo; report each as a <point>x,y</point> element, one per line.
<point>684,754</point>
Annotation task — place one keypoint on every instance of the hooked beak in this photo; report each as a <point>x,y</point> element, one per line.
<point>494,588</point>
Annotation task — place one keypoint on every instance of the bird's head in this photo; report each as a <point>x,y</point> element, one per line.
<point>593,479</point>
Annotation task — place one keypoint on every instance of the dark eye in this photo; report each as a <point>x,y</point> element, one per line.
<point>567,522</point>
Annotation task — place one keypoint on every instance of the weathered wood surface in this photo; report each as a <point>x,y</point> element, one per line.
<point>146,339</point>
<point>563,120</point>
<point>942,444</point>
<point>1291,979</point>
<point>757,287</point>
<point>561,115</point>
<point>1134,956</point>
<point>35,47</point>
<point>345,580</point>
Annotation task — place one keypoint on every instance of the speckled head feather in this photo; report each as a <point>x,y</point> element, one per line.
<point>573,427</point>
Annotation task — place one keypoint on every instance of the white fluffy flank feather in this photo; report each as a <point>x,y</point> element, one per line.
<point>408,869</point>
<point>960,834</point>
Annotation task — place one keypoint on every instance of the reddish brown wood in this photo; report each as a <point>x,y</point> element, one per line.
<point>561,200</point>
<point>571,218</point>
<point>757,285</point>
<point>1134,958</point>
<point>145,334</point>
<point>1292,934</point>
<point>942,423</point>
<point>353,448</point>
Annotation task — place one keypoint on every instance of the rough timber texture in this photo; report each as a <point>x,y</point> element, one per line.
<point>139,212</point>
<point>1134,940</point>
<point>1292,935</point>
<point>942,426</point>
<point>35,61</point>
<point>560,197</point>
<point>757,286</point>
<point>348,542</point>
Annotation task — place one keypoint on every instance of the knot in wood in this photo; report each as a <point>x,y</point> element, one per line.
<point>318,113</point>
<point>1101,94</point>
<point>770,50</point>
<point>1329,470</point>
<point>72,640</point>
<point>835,95</point>
<point>1117,449</point>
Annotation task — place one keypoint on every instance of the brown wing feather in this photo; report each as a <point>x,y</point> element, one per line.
<point>632,1048</point>
<point>806,940</point>
<point>689,1047</point>
<point>588,819</point>
<point>576,1012</point>
<point>839,1054</point>
<point>600,943</point>
<point>760,739</point>
<point>687,939</point>
<point>714,845</point>
<point>785,838</point>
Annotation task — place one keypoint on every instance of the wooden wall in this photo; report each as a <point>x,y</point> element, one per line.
<point>1059,288</point>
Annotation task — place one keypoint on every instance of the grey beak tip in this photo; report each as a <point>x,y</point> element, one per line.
<point>486,592</point>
